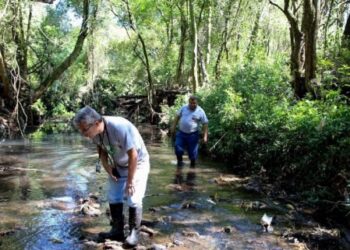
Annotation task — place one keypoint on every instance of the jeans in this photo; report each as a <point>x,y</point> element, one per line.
<point>116,191</point>
<point>185,141</point>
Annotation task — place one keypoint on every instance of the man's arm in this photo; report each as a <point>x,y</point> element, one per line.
<point>132,164</point>
<point>173,129</point>
<point>205,132</point>
<point>104,160</point>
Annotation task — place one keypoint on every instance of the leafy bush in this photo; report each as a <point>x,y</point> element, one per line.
<point>61,112</point>
<point>255,122</point>
<point>39,108</point>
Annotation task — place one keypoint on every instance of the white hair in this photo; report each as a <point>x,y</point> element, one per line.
<point>86,115</point>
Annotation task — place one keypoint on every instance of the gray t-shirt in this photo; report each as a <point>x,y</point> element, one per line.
<point>190,119</point>
<point>123,136</point>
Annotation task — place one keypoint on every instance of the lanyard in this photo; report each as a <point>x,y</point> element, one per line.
<point>103,147</point>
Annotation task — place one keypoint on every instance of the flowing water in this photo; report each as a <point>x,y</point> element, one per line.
<point>53,173</point>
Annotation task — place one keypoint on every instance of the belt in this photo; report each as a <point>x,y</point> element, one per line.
<point>189,133</point>
<point>119,166</point>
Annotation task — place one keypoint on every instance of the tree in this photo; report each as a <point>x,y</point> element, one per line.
<point>182,43</point>
<point>226,34</point>
<point>311,16</point>
<point>303,43</point>
<point>346,34</point>
<point>194,43</point>
<point>69,60</point>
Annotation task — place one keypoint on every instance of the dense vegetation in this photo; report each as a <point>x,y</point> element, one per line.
<point>273,76</point>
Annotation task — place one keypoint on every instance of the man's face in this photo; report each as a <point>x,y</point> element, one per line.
<point>192,103</point>
<point>89,130</point>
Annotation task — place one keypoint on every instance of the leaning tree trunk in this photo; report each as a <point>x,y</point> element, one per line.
<point>57,72</point>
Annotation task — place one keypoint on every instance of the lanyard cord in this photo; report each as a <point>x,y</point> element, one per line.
<point>105,130</point>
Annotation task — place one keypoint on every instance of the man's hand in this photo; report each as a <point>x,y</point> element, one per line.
<point>205,133</point>
<point>130,189</point>
<point>205,139</point>
<point>115,174</point>
<point>114,177</point>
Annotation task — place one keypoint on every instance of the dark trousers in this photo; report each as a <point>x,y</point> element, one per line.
<point>187,142</point>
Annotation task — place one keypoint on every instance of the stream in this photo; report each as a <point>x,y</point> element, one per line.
<point>38,200</point>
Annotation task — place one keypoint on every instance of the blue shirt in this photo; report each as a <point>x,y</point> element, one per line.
<point>190,119</point>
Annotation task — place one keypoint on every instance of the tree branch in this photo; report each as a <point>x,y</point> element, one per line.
<point>57,72</point>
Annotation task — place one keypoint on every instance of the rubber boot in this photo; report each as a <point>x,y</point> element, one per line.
<point>135,217</point>
<point>117,230</point>
<point>193,164</point>
<point>180,162</point>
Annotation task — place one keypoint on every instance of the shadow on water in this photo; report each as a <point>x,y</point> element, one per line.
<point>37,201</point>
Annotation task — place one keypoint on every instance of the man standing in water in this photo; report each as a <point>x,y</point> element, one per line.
<point>124,156</point>
<point>187,137</point>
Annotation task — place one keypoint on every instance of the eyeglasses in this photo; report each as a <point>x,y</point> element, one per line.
<point>85,130</point>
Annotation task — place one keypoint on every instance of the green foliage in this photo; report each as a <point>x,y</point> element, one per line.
<point>39,108</point>
<point>179,102</point>
<point>61,112</point>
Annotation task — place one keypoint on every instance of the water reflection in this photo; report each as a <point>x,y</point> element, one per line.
<point>190,179</point>
<point>24,186</point>
<point>43,180</point>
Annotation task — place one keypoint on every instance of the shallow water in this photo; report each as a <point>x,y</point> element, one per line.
<point>36,204</point>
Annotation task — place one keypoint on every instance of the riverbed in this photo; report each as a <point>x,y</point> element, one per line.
<point>38,200</point>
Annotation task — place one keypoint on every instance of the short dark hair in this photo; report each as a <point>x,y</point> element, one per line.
<point>192,97</point>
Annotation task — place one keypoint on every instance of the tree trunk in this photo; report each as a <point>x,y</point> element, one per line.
<point>297,63</point>
<point>297,56</point>
<point>346,34</point>
<point>255,31</point>
<point>181,57</point>
<point>144,60</point>
<point>92,63</point>
<point>57,72</point>
<point>150,95</point>
<point>194,41</point>
<point>4,77</point>
<point>326,25</point>
<point>226,34</point>
<point>209,28</point>
<point>19,39</point>
<point>203,69</point>
<point>310,27</point>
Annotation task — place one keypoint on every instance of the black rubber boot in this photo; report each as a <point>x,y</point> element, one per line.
<point>193,164</point>
<point>117,230</point>
<point>135,217</point>
<point>180,162</point>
